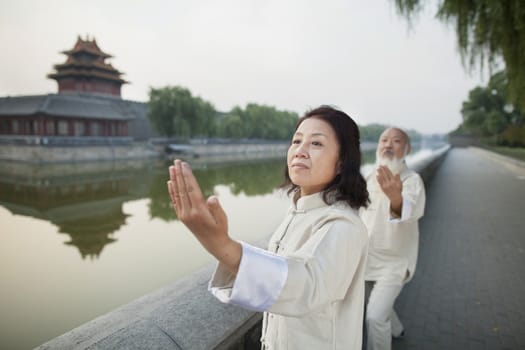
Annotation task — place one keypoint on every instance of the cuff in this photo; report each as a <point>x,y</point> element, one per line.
<point>258,283</point>
<point>406,212</point>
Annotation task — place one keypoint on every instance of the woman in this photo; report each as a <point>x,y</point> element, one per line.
<point>310,281</point>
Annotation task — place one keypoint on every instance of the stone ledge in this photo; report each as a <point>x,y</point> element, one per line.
<point>183,315</point>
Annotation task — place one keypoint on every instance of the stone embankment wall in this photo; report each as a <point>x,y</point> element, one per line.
<point>184,315</point>
<point>211,153</point>
<point>44,154</point>
<point>54,154</point>
<point>216,150</point>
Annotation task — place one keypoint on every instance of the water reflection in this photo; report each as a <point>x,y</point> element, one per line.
<point>85,201</point>
<point>250,178</point>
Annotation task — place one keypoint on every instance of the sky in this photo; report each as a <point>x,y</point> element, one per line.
<point>359,56</point>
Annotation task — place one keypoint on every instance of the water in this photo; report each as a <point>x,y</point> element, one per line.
<point>78,240</point>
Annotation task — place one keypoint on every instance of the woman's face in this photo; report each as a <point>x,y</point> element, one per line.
<point>313,156</point>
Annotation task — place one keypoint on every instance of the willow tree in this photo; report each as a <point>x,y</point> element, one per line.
<point>487,31</point>
<point>174,111</point>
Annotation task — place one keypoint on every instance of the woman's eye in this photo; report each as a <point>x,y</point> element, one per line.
<point>295,142</point>
<point>317,143</point>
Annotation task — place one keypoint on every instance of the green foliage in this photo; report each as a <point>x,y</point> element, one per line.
<point>486,31</point>
<point>372,132</point>
<point>513,136</point>
<point>487,115</point>
<point>258,122</point>
<point>173,111</point>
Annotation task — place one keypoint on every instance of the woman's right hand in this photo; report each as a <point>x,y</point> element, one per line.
<point>205,218</point>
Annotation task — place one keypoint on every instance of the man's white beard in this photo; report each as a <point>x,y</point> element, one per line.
<point>395,165</point>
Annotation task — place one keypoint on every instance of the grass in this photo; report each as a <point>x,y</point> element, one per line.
<point>513,152</point>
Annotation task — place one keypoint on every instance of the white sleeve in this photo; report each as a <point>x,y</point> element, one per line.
<point>406,212</point>
<point>413,200</point>
<point>258,283</point>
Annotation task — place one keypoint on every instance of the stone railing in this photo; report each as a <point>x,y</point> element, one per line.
<point>183,315</point>
<point>426,167</point>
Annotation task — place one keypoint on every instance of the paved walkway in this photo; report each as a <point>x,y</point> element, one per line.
<point>469,288</point>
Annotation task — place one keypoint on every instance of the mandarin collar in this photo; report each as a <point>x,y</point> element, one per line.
<point>309,202</point>
<point>404,168</point>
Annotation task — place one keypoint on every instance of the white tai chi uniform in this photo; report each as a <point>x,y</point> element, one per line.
<point>310,282</point>
<point>392,254</point>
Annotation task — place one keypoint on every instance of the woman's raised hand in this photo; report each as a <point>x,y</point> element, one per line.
<point>205,218</point>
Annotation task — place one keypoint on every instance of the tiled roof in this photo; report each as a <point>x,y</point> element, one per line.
<point>90,73</point>
<point>94,65</point>
<point>73,105</point>
<point>88,46</point>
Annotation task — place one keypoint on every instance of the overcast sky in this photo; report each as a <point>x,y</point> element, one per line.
<point>292,54</point>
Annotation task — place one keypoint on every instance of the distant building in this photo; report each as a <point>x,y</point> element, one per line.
<point>85,70</point>
<point>88,108</point>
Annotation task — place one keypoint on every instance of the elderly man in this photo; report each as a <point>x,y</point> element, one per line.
<point>397,197</point>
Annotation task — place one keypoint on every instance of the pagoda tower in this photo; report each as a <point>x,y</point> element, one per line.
<point>85,70</point>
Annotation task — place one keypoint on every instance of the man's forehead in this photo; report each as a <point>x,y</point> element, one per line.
<point>394,132</point>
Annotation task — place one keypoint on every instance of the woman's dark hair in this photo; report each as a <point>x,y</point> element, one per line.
<point>348,185</point>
